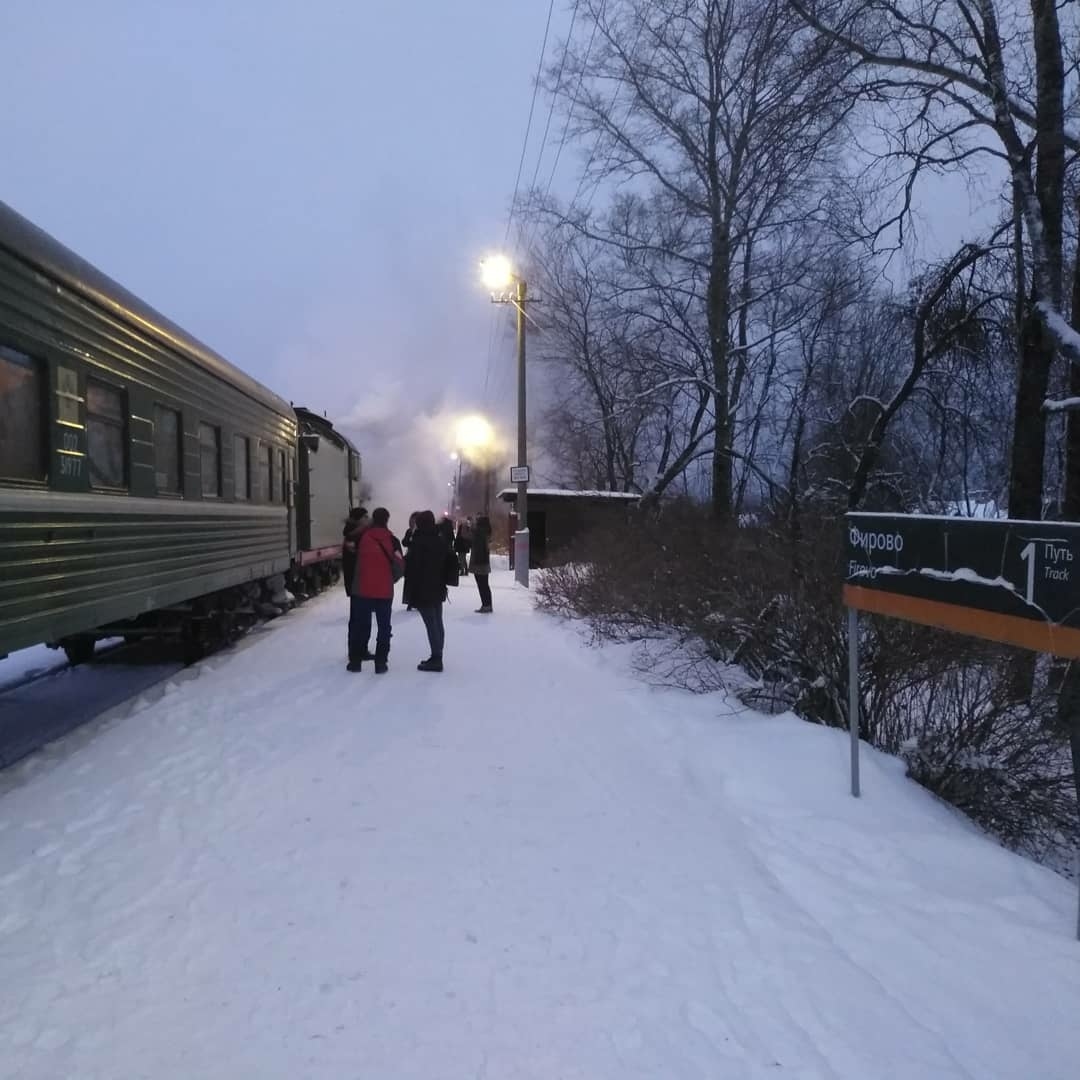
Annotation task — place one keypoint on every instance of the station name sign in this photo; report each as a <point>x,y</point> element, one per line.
<point>1016,582</point>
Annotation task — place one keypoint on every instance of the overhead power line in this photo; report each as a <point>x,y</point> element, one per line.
<point>573,104</point>
<point>554,97</point>
<point>596,143</point>
<point>496,322</point>
<point>528,125</point>
<point>577,94</point>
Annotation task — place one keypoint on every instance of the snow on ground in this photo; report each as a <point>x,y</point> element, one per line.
<point>29,663</point>
<point>532,867</point>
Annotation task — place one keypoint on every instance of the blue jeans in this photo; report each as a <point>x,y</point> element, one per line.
<point>360,611</point>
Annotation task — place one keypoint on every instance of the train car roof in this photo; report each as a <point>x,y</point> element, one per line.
<point>37,248</point>
<point>325,427</point>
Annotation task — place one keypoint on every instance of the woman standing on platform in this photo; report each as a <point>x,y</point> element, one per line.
<point>480,562</point>
<point>430,567</point>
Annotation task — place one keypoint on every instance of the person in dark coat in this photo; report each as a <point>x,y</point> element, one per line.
<point>355,524</point>
<point>431,566</point>
<point>446,531</point>
<point>406,542</point>
<point>377,554</point>
<point>463,545</point>
<point>480,562</point>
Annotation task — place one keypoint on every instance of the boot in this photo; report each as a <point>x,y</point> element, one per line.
<point>432,664</point>
<point>483,610</point>
<point>354,663</point>
<point>382,653</point>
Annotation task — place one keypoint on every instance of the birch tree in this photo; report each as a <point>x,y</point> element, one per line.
<point>969,88</point>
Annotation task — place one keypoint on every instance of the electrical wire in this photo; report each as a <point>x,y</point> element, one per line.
<point>528,125</point>
<point>577,94</point>
<point>596,143</point>
<point>517,186</point>
<point>570,112</point>
<point>554,97</point>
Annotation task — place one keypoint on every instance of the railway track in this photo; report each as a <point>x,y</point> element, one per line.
<point>47,702</point>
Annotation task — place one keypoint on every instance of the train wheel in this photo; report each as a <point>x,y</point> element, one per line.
<point>78,650</point>
<point>193,646</point>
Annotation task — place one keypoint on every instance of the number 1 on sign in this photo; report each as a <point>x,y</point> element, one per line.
<point>1028,555</point>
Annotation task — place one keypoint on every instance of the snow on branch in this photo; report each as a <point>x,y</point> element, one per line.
<point>1068,340</point>
<point>1069,404</point>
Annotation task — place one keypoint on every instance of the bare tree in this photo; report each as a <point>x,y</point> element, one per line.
<point>948,64</point>
<point>944,312</point>
<point>598,420</point>
<point>724,115</point>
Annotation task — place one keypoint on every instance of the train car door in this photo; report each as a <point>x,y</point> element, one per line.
<point>290,499</point>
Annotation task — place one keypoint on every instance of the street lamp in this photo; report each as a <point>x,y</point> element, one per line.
<point>474,438</point>
<point>498,275</point>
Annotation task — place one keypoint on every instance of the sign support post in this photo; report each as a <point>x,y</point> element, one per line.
<point>853,695</point>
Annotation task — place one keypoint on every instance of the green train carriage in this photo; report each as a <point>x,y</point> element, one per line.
<point>145,483</point>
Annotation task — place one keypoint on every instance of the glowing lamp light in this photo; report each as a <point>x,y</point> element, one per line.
<point>496,272</point>
<point>474,433</point>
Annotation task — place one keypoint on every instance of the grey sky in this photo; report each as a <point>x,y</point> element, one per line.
<point>305,186</point>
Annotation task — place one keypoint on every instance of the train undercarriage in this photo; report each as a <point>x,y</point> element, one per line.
<point>207,623</point>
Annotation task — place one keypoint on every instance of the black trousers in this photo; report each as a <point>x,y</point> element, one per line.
<point>360,611</point>
<point>483,586</point>
<point>436,632</point>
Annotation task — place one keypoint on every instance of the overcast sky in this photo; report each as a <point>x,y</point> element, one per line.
<point>304,185</point>
<point>307,186</point>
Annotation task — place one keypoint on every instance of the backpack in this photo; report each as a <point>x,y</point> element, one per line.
<point>451,570</point>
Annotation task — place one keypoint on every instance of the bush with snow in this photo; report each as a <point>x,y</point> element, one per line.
<point>758,612</point>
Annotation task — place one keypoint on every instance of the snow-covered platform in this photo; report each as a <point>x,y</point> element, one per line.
<point>532,867</point>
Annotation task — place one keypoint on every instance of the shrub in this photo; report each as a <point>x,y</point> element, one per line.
<point>758,611</point>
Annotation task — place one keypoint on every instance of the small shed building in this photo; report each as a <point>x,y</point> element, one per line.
<point>557,518</point>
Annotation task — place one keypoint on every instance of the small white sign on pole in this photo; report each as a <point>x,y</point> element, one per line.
<point>519,474</point>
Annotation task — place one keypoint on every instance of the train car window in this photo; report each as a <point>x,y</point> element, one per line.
<point>22,416</point>
<point>168,447</point>
<point>269,474</point>
<point>106,435</point>
<point>241,467</point>
<point>210,459</point>
<point>281,474</point>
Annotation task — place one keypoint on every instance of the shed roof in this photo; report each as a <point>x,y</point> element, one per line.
<point>510,493</point>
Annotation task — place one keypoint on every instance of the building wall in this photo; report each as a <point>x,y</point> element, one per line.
<point>567,520</point>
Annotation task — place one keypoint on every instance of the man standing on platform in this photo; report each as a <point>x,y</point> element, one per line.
<point>378,566</point>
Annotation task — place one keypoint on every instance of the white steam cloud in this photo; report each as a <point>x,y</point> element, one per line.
<point>406,454</point>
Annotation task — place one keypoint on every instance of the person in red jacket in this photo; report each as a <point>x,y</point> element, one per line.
<point>378,565</point>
